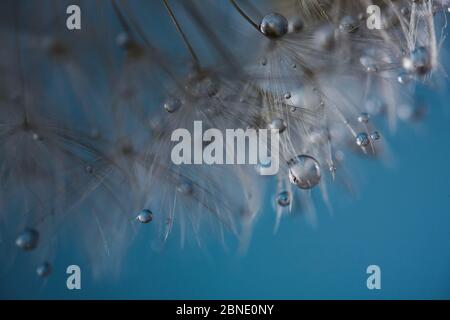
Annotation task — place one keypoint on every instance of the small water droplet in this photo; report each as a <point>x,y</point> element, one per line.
<point>145,216</point>
<point>185,187</point>
<point>287,95</point>
<point>284,199</point>
<point>172,104</point>
<point>28,239</point>
<point>277,124</point>
<point>304,171</point>
<point>418,61</point>
<point>348,24</point>
<point>362,139</point>
<point>363,117</point>
<point>375,136</point>
<point>44,270</point>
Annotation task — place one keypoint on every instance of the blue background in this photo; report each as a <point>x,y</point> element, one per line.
<point>400,220</point>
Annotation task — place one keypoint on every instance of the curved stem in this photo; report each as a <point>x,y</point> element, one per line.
<point>183,35</point>
<point>244,15</point>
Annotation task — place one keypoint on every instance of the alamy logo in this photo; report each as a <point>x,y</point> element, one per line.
<point>240,146</point>
<point>374,19</point>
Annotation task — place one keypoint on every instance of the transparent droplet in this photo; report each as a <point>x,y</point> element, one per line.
<point>287,95</point>
<point>185,187</point>
<point>304,171</point>
<point>28,239</point>
<point>362,139</point>
<point>44,270</point>
<point>369,63</point>
<point>348,24</point>
<point>36,137</point>
<point>145,216</point>
<point>404,78</point>
<point>277,124</point>
<point>418,61</point>
<point>363,117</point>
<point>375,136</point>
<point>264,61</point>
<point>284,199</point>
<point>325,37</point>
<point>89,169</point>
<point>172,104</point>
<point>375,106</point>
<point>296,24</point>
<point>274,25</point>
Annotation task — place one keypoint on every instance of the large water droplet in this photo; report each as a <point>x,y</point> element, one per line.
<point>145,216</point>
<point>28,239</point>
<point>274,25</point>
<point>283,199</point>
<point>44,270</point>
<point>304,171</point>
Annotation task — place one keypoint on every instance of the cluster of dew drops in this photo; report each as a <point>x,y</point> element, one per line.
<point>304,171</point>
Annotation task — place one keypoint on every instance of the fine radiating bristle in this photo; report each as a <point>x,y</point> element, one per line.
<point>87,117</point>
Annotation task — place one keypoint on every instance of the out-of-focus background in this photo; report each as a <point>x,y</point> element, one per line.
<point>399,219</point>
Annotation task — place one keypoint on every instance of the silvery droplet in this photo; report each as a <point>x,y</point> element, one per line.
<point>375,106</point>
<point>304,171</point>
<point>362,139</point>
<point>185,187</point>
<point>363,117</point>
<point>418,61</point>
<point>369,63</point>
<point>44,270</point>
<point>274,25</point>
<point>348,24</point>
<point>172,104</point>
<point>28,239</point>
<point>277,124</point>
<point>264,61</point>
<point>324,37</point>
<point>283,199</point>
<point>404,78</point>
<point>287,95</point>
<point>296,24</point>
<point>145,216</point>
<point>375,136</point>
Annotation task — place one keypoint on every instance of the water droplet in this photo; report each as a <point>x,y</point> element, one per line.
<point>362,139</point>
<point>185,187</point>
<point>283,199</point>
<point>287,95</point>
<point>28,239</point>
<point>44,270</point>
<point>172,105</point>
<point>304,171</point>
<point>90,169</point>
<point>363,117</point>
<point>325,37</point>
<point>348,24</point>
<point>36,136</point>
<point>277,123</point>
<point>369,63</point>
<point>274,25</point>
<point>418,61</point>
<point>375,136</point>
<point>404,78</point>
<point>296,24</point>
<point>264,61</point>
<point>145,216</point>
